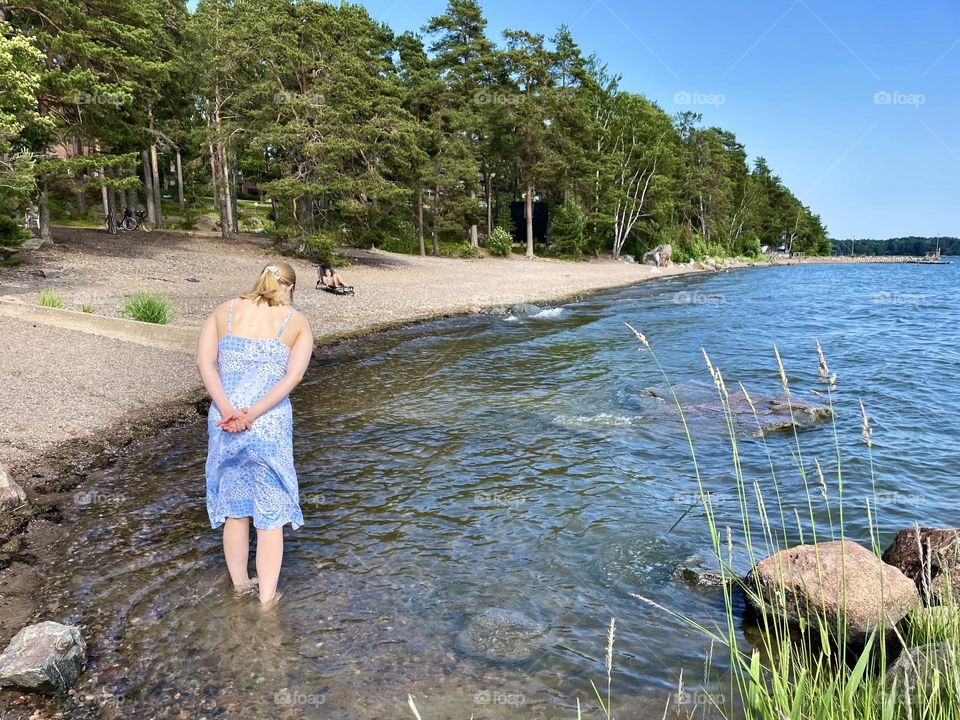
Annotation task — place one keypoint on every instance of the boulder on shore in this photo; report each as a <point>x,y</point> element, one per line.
<point>10,492</point>
<point>837,585</point>
<point>47,657</point>
<point>666,252</point>
<point>931,558</point>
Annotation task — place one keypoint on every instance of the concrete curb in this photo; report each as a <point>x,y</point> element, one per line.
<point>168,337</point>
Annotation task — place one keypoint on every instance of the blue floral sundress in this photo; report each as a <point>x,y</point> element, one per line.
<point>251,473</point>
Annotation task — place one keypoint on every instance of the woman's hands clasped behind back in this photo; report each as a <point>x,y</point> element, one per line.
<point>236,420</point>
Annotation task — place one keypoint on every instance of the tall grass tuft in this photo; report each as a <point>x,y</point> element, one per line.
<point>146,307</point>
<point>51,298</point>
<point>795,674</point>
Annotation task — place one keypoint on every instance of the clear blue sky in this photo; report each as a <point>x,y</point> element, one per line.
<point>855,104</point>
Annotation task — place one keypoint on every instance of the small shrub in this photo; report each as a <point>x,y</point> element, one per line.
<point>465,250</point>
<point>322,248</point>
<point>567,231</point>
<point>500,242</point>
<point>87,308</point>
<point>403,239</point>
<point>51,298</point>
<point>146,307</point>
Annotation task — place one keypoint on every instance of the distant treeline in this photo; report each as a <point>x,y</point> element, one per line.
<point>897,246</point>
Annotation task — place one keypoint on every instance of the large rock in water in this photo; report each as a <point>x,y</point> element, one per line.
<point>501,636</point>
<point>10,492</point>
<point>830,583</point>
<point>666,252</point>
<point>931,558</point>
<point>46,657</point>
<point>757,415</point>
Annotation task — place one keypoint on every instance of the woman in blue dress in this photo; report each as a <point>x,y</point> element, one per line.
<point>253,351</point>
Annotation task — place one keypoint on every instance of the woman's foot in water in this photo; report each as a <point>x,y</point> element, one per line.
<point>268,605</point>
<point>247,588</point>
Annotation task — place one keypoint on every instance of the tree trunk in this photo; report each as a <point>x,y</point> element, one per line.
<point>44,213</point>
<point>489,205</point>
<point>81,193</point>
<point>154,174</point>
<point>423,247</point>
<point>214,185</point>
<point>529,214</point>
<point>474,241</point>
<point>147,189</point>
<point>436,214</point>
<point>180,200</point>
<point>226,208</point>
<point>109,208</point>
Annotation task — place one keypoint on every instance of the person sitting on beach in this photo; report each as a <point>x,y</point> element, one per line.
<point>331,279</point>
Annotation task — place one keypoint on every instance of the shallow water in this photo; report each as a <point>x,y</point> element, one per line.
<point>487,462</point>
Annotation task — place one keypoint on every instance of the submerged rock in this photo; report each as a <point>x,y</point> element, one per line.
<point>756,414</point>
<point>525,310</point>
<point>46,657</point>
<point>501,636</point>
<point>833,584</point>
<point>931,558</point>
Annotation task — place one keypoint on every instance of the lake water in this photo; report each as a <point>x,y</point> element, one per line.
<point>515,463</point>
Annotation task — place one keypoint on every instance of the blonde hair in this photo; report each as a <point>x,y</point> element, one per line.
<point>267,287</point>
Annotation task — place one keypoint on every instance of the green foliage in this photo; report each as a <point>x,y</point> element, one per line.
<point>51,298</point>
<point>500,242</point>
<point>322,247</point>
<point>403,239</point>
<point>567,234</point>
<point>147,307</point>
<point>464,250</point>
<point>86,308</point>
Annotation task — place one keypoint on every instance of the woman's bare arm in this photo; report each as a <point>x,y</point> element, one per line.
<point>207,364</point>
<point>297,364</point>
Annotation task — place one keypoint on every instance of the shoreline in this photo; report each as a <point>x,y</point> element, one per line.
<point>52,475</point>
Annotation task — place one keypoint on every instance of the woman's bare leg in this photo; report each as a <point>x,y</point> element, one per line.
<point>236,549</point>
<point>269,559</point>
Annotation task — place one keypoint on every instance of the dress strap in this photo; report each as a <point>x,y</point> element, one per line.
<point>229,316</point>
<point>280,331</point>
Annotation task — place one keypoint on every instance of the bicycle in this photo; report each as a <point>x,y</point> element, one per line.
<point>130,220</point>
